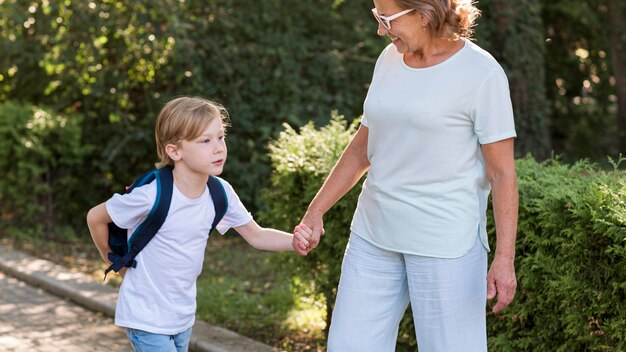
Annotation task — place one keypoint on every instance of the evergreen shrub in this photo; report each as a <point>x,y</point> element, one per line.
<point>571,247</point>
<point>571,261</point>
<point>301,160</point>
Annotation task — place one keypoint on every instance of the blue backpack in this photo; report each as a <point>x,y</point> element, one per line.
<point>124,252</point>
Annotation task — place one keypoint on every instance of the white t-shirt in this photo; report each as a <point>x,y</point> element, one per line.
<point>426,190</point>
<point>159,295</point>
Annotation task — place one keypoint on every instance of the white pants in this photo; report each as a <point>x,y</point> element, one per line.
<point>448,299</point>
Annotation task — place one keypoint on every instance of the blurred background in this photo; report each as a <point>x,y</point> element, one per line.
<point>107,67</point>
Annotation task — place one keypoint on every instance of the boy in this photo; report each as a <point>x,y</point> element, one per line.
<point>157,299</point>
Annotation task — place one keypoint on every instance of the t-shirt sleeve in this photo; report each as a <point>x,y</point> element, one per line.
<point>493,111</point>
<point>128,210</point>
<point>236,214</point>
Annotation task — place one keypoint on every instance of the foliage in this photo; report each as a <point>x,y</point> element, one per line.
<point>40,155</point>
<point>117,62</point>
<point>269,62</point>
<point>571,264</point>
<point>301,161</point>
<point>571,249</point>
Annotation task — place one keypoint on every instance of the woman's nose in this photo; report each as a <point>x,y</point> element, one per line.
<point>381,30</point>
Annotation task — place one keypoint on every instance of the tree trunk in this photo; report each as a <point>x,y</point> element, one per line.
<point>617,40</point>
<point>517,43</point>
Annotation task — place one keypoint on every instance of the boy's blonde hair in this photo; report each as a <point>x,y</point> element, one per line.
<point>184,118</point>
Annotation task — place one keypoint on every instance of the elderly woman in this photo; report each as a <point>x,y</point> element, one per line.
<point>436,137</point>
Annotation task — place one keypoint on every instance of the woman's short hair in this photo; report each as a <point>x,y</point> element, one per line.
<point>184,118</point>
<point>450,19</point>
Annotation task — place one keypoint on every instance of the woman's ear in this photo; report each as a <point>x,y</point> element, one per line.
<point>424,21</point>
<point>174,152</point>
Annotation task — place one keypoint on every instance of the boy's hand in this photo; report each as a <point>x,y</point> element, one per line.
<point>301,239</point>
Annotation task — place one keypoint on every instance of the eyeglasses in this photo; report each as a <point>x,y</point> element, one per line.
<point>386,20</point>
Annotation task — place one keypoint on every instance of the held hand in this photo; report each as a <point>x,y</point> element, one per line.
<point>301,239</point>
<point>313,220</point>
<point>501,282</point>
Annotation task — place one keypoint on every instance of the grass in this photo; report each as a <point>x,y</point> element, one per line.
<point>240,288</point>
<point>244,290</point>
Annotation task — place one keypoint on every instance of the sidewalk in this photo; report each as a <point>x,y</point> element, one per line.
<point>34,320</point>
<point>101,298</point>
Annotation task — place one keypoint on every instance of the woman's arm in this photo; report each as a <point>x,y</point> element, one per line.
<point>500,165</point>
<point>348,170</point>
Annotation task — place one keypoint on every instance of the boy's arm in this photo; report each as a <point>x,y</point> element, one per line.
<point>97,220</point>
<point>267,239</point>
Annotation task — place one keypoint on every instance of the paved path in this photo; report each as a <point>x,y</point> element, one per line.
<point>34,320</point>
<point>71,330</point>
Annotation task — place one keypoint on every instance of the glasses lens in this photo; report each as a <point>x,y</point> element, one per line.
<point>381,20</point>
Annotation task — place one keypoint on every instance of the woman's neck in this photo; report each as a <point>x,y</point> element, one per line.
<point>433,53</point>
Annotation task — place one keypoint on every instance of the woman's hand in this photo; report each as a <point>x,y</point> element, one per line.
<point>501,282</point>
<point>313,221</point>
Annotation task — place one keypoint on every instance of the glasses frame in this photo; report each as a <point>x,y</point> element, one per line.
<point>385,21</point>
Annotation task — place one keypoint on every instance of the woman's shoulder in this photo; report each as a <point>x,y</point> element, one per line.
<point>480,57</point>
<point>387,57</point>
<point>389,50</point>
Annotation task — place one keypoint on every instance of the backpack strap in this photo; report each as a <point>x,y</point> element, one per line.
<point>220,201</point>
<point>153,222</point>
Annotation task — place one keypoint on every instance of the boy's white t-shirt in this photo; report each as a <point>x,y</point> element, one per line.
<point>159,295</point>
<point>426,190</point>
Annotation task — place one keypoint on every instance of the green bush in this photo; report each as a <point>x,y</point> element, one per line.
<point>117,62</point>
<point>301,161</point>
<point>40,155</point>
<point>571,249</point>
<point>571,261</point>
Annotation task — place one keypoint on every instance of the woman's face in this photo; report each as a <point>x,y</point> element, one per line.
<point>407,31</point>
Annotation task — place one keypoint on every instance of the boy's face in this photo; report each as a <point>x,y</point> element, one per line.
<point>205,154</point>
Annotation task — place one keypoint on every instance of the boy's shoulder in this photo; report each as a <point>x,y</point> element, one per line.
<point>228,188</point>
<point>144,193</point>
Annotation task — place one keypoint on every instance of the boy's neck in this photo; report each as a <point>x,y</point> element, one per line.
<point>190,184</point>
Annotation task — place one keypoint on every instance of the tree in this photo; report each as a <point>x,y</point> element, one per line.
<point>616,13</point>
<point>584,68</point>
<point>512,32</point>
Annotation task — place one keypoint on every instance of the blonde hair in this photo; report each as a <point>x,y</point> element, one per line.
<point>451,19</point>
<point>184,118</point>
